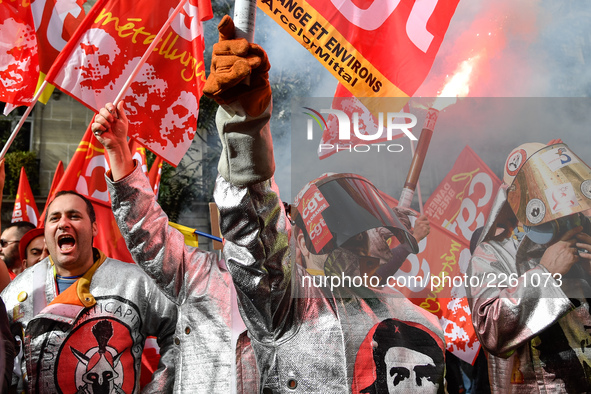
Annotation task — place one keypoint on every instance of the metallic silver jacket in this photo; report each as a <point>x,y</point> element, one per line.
<point>190,277</point>
<point>537,332</point>
<point>61,337</point>
<point>305,340</point>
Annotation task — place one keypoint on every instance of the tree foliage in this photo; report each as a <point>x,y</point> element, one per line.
<point>13,163</point>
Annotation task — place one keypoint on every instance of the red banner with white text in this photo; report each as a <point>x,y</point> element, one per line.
<point>32,34</point>
<point>374,48</point>
<point>463,199</point>
<point>163,101</point>
<point>25,208</point>
<point>19,65</point>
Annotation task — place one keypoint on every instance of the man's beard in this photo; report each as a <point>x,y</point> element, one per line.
<point>9,261</point>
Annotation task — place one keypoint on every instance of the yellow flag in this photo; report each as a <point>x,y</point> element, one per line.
<point>191,238</point>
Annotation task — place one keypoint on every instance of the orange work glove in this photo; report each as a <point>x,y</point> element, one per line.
<point>233,60</point>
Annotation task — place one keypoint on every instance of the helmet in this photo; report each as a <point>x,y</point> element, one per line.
<point>333,208</point>
<point>517,158</point>
<point>546,182</point>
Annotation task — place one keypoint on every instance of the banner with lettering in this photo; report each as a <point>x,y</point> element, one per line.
<point>463,199</point>
<point>374,48</point>
<point>460,205</point>
<point>25,208</point>
<point>163,101</point>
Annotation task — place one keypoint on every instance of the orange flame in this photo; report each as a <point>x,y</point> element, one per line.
<point>458,85</point>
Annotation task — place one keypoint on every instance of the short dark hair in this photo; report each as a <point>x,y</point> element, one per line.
<point>22,227</point>
<point>394,333</point>
<point>89,207</point>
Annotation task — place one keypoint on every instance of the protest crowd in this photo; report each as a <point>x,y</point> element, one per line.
<point>306,296</point>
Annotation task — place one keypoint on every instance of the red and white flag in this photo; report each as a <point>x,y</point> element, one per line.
<point>25,208</point>
<point>19,66</point>
<point>32,34</point>
<point>463,199</point>
<point>163,101</point>
<point>86,175</point>
<point>155,175</point>
<point>374,48</point>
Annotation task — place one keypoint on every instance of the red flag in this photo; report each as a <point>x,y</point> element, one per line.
<point>25,208</point>
<point>19,67</point>
<point>373,48</point>
<point>86,175</point>
<point>57,177</point>
<point>31,36</point>
<point>55,22</point>
<point>463,199</point>
<point>162,102</point>
<point>155,175</point>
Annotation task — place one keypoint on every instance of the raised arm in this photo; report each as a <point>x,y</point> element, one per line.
<point>155,246</point>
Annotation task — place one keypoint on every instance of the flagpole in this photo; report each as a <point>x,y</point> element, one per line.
<point>202,234</point>
<point>412,149</point>
<point>149,51</point>
<point>418,159</point>
<point>22,121</point>
<point>245,12</point>
<point>245,18</point>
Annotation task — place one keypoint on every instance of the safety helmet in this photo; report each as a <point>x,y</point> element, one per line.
<point>546,182</point>
<point>333,208</point>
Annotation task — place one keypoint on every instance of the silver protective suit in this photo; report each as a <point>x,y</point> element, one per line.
<point>537,332</point>
<point>190,277</point>
<point>118,307</point>
<point>306,339</point>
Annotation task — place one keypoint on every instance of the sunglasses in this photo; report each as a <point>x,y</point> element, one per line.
<point>4,243</point>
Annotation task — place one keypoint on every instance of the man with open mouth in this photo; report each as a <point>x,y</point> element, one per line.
<point>81,318</point>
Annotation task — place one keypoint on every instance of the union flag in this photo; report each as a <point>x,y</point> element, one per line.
<point>163,100</point>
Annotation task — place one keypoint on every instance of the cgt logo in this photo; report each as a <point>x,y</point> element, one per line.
<point>396,123</point>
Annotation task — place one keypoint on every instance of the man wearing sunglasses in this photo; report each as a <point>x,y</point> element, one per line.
<point>9,246</point>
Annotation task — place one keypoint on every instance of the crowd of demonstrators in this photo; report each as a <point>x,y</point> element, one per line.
<point>536,328</point>
<point>81,318</point>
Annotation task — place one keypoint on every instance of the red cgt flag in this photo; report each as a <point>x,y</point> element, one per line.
<point>25,208</point>
<point>32,34</point>
<point>19,66</point>
<point>463,199</point>
<point>163,100</point>
<point>374,48</point>
<point>86,175</point>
